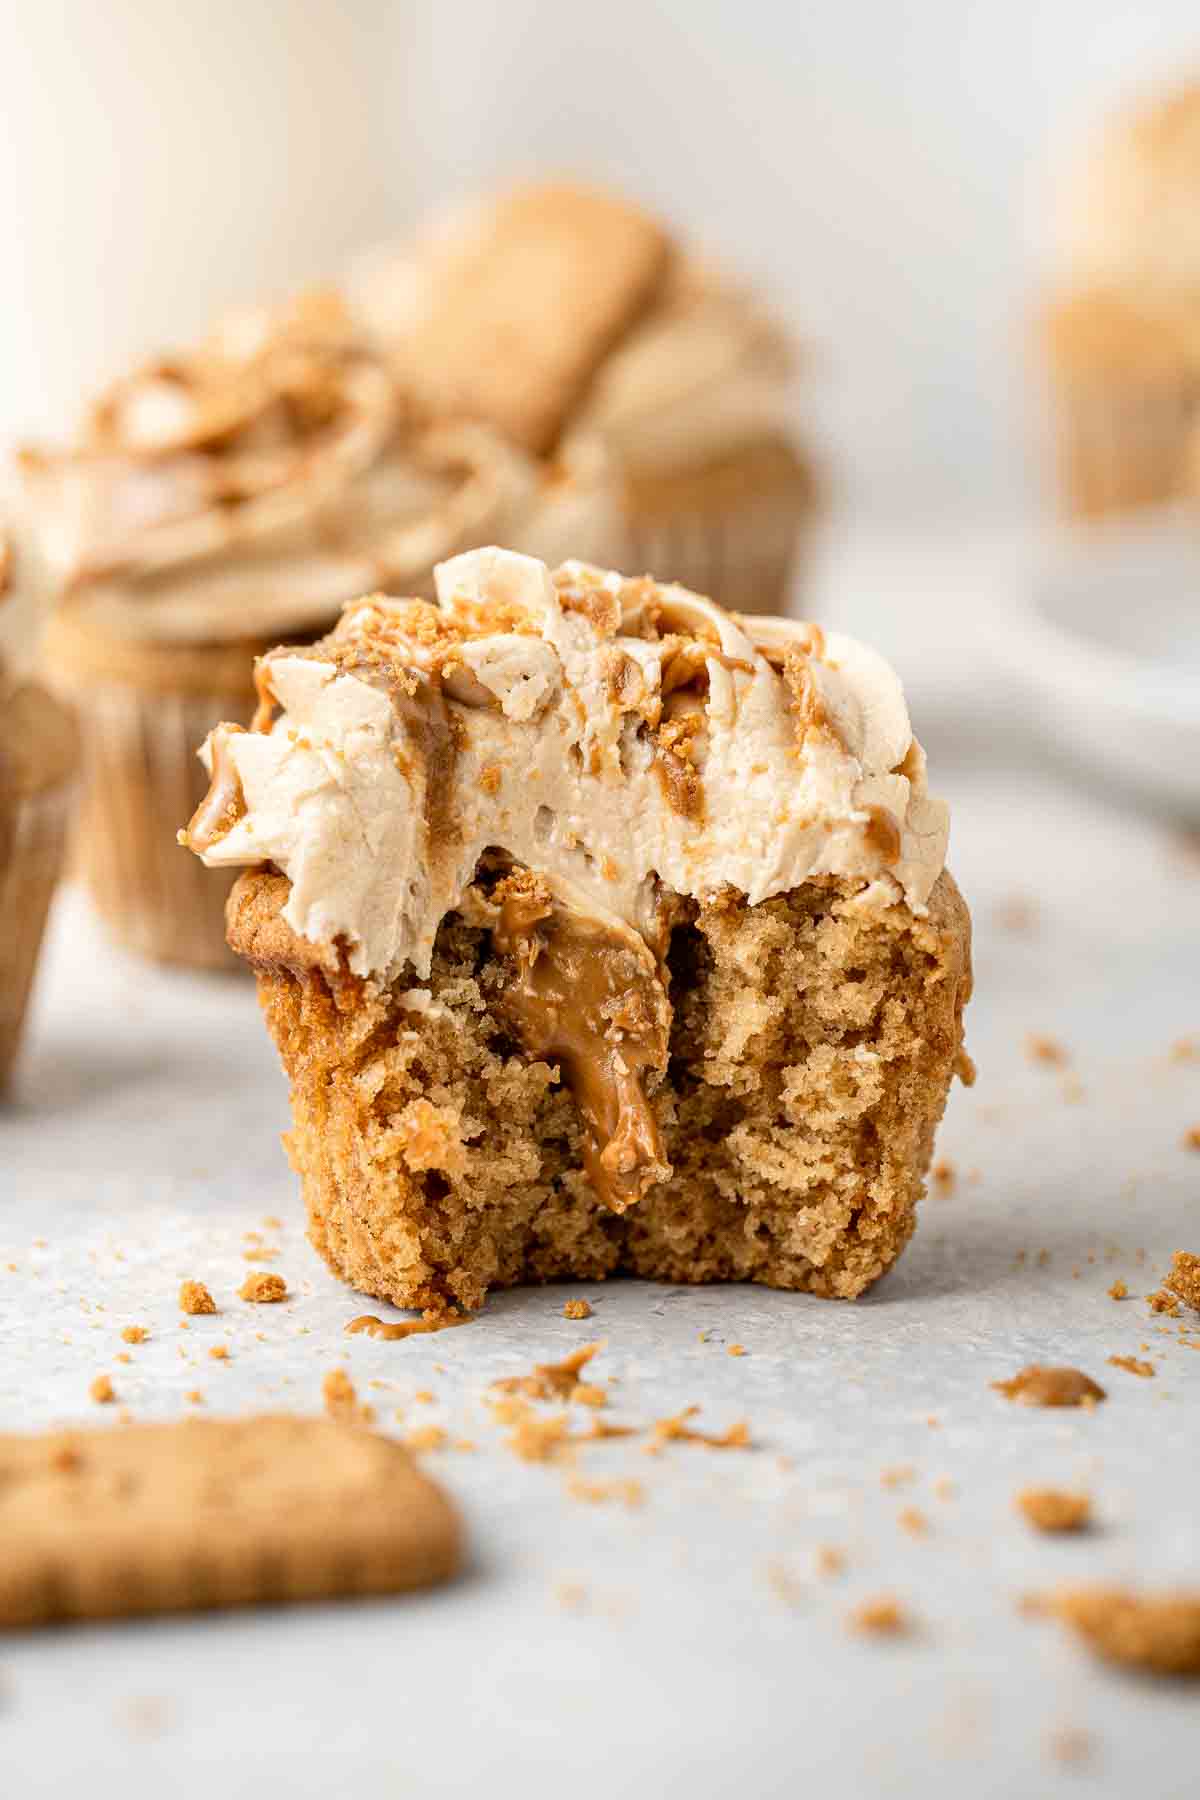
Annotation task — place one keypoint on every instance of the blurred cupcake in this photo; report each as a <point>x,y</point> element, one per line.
<point>38,762</point>
<point>218,502</point>
<point>570,322</point>
<point>1122,335</point>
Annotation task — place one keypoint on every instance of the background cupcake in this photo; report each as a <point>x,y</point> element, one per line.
<point>219,501</point>
<point>38,760</point>
<point>1122,336</point>
<point>571,322</point>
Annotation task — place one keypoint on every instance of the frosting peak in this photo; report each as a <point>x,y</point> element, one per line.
<point>624,741</point>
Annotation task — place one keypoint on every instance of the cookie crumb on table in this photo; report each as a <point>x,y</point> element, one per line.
<point>676,1429</point>
<point>1036,1385</point>
<point>945,1174</point>
<point>1183,1277</point>
<point>829,1560</point>
<point>195,1298</point>
<point>194,1397</point>
<point>1042,1049</point>
<point>426,1437</point>
<point>736,1350</point>
<point>134,1334</point>
<point>883,1616</point>
<point>1132,1365</point>
<point>1191,1138</point>
<point>340,1395</point>
<point>261,1253</point>
<point>1162,1302</point>
<point>549,1381</point>
<point>1070,1745</point>
<point>101,1390</point>
<point>219,1352</point>
<point>263,1288</point>
<point>577,1309</point>
<point>1053,1509</point>
<point>597,1493</point>
<point>913,1520</point>
<point>1156,1633</point>
<point>1118,1291</point>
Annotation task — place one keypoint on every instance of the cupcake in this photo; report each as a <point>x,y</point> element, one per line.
<point>1122,332</point>
<point>598,931</point>
<point>572,323</point>
<point>219,501</point>
<point>38,761</point>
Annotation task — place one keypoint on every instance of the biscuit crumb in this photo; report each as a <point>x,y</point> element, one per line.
<point>597,1493</point>
<point>898,1476</point>
<point>1052,1509</point>
<point>549,1381</point>
<point>829,1560</point>
<point>883,1616</point>
<point>1132,1365</point>
<point>1185,1050</point>
<point>1162,1302</point>
<point>945,1175</point>
<point>195,1298</point>
<point>1036,1385</point>
<point>1118,1291</point>
<point>340,1395</point>
<point>101,1390</point>
<point>424,1397</point>
<point>134,1334</point>
<point>263,1289</point>
<point>426,1437</point>
<point>219,1352</point>
<point>1183,1278</point>
<point>541,1440</point>
<point>194,1397</point>
<point>1156,1633</point>
<point>913,1520</point>
<point>1191,1138</point>
<point>122,1356</point>
<point>736,1350</point>
<point>261,1253</point>
<point>676,1429</point>
<point>1042,1049</point>
<point>586,1393</point>
<point>577,1309</point>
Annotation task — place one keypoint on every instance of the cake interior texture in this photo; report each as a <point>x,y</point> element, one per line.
<point>812,1045</point>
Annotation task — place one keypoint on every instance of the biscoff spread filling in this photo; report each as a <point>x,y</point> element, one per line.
<point>610,745</point>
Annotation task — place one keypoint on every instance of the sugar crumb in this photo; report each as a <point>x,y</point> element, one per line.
<point>101,1390</point>
<point>1053,1509</point>
<point>194,1298</point>
<point>263,1289</point>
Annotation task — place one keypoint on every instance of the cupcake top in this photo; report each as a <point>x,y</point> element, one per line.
<point>626,743</point>
<point>560,315</point>
<point>1131,221</point>
<point>248,487</point>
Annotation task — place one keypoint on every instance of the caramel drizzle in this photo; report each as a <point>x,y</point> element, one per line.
<point>883,833</point>
<point>580,995</point>
<point>225,802</point>
<point>371,1326</point>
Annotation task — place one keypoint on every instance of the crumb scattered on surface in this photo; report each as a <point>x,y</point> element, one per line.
<point>195,1298</point>
<point>261,1253</point>
<point>1156,1633</point>
<point>219,1352</point>
<point>1042,1049</point>
<point>1037,1385</point>
<point>339,1395</point>
<point>586,1393</point>
<point>913,1520</point>
<point>550,1381</point>
<point>898,1476</point>
<point>122,1356</point>
<point>677,1430</point>
<point>101,1390</point>
<point>1191,1138</point>
<point>1162,1302</point>
<point>944,1488</point>
<point>1132,1365</point>
<point>134,1334</point>
<point>736,1350</point>
<point>1118,1291</point>
<point>829,1560</point>
<point>945,1175</point>
<point>1068,1744</point>
<point>883,1616</point>
<point>1185,1049</point>
<point>598,1493</point>
<point>194,1397</point>
<point>577,1309</point>
<point>424,1397</point>
<point>263,1288</point>
<point>1183,1278</point>
<point>541,1440</point>
<point>1053,1509</point>
<point>426,1437</point>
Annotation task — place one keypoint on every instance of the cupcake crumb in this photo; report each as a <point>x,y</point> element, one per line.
<point>101,1390</point>
<point>1037,1385</point>
<point>1053,1509</point>
<point>883,1616</point>
<point>194,1298</point>
<point>263,1288</point>
<point>1042,1049</point>
<point>134,1334</point>
<point>1118,1291</point>
<point>1157,1634</point>
<point>1183,1278</point>
<point>1132,1365</point>
<point>577,1309</point>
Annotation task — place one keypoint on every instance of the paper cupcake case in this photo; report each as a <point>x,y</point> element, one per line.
<point>748,563</point>
<point>143,782</point>
<point>31,859</point>
<point>1123,446</point>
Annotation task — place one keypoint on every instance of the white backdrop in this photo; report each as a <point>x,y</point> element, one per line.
<point>881,166</point>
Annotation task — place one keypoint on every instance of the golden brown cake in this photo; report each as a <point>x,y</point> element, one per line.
<point>572,323</point>
<point>39,757</point>
<point>599,930</point>
<point>1121,333</point>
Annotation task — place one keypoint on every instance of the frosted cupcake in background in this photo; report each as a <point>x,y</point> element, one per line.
<point>1122,333</point>
<point>571,322</point>
<point>217,501</point>
<point>38,762</point>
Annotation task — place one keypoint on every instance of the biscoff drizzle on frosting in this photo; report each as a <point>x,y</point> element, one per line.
<point>605,747</point>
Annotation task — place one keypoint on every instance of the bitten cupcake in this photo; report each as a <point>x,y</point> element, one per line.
<point>1122,333</point>
<point>220,500</point>
<point>598,930</point>
<point>569,320</point>
<point>38,764</point>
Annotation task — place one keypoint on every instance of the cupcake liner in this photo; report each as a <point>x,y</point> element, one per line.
<point>31,858</point>
<point>143,782</point>
<point>1123,445</point>
<point>747,562</point>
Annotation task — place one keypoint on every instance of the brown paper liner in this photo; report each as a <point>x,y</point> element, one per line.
<point>143,781</point>
<point>735,531</point>
<point>31,858</point>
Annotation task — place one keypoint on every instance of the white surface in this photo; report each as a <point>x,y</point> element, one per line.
<point>142,1145</point>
